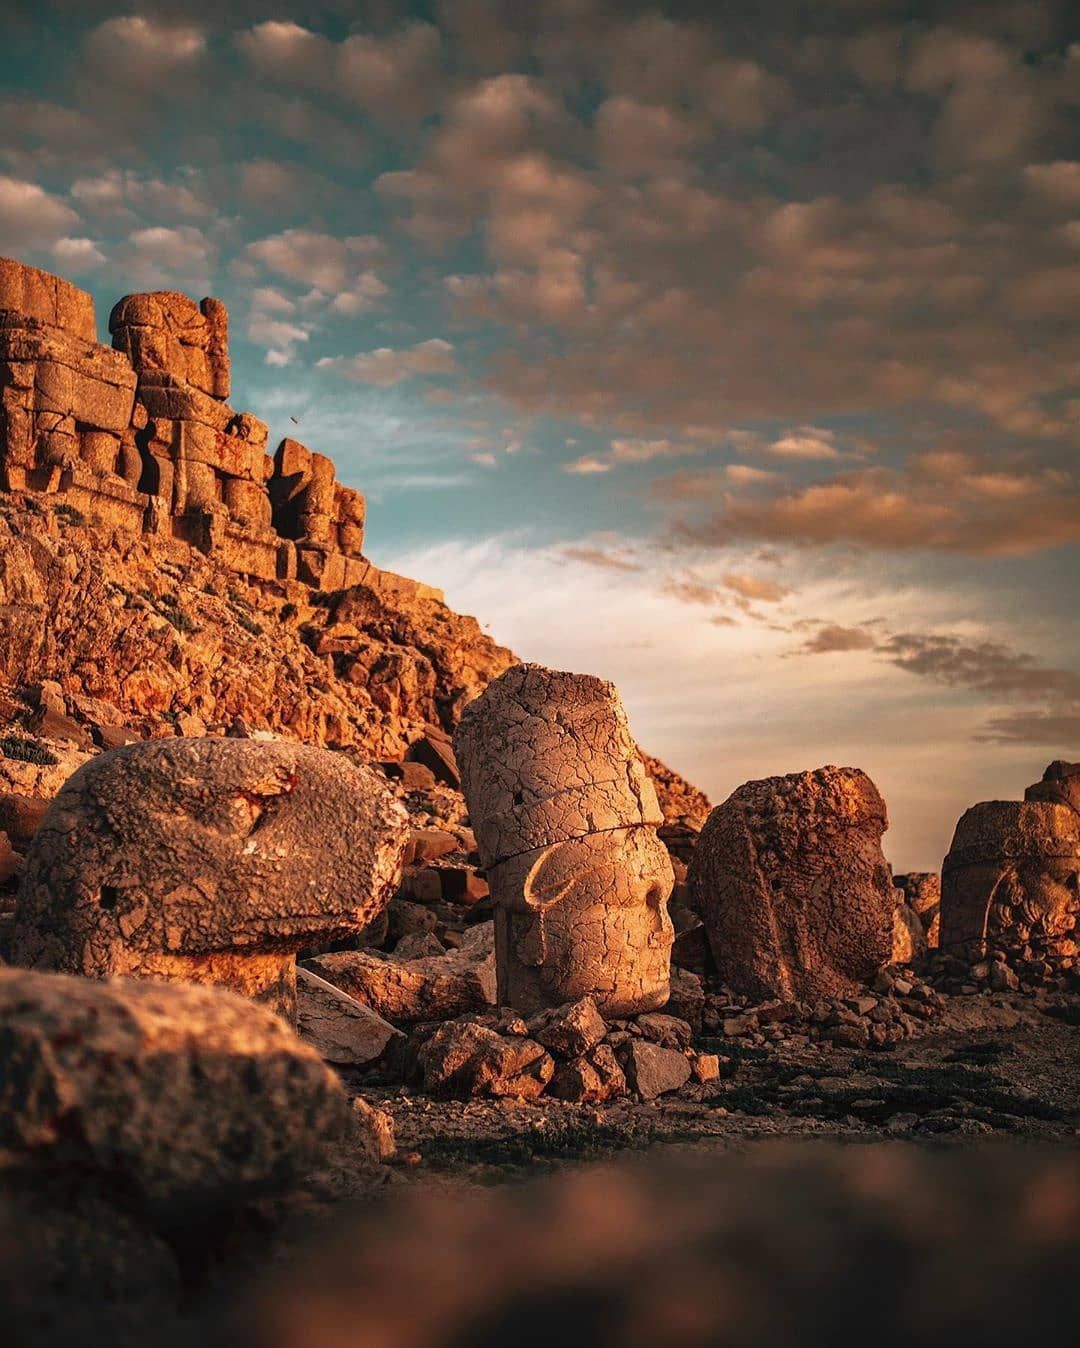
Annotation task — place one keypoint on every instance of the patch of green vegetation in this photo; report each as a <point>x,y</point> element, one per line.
<point>249,624</point>
<point>173,613</point>
<point>69,512</point>
<point>27,751</point>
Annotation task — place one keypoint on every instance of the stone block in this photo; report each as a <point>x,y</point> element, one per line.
<point>39,294</point>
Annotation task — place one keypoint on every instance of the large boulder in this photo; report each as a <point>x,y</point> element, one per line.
<point>179,1096</point>
<point>791,883</point>
<point>207,861</point>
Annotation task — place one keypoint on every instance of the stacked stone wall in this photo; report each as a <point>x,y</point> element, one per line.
<point>140,436</point>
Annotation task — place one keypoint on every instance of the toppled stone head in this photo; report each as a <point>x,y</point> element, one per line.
<point>792,886</point>
<point>565,819</point>
<point>207,861</point>
<point>1012,878</point>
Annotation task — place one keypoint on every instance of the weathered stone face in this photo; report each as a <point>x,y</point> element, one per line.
<point>791,883</point>
<point>1012,877</point>
<point>207,860</point>
<point>565,819</point>
<point>585,918</point>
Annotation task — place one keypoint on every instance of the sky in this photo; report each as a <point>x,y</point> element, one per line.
<point>731,352</point>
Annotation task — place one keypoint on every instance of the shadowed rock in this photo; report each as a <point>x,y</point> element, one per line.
<point>792,885</point>
<point>1060,785</point>
<point>565,820</point>
<point>207,861</point>
<point>1012,877</point>
<point>182,1095</point>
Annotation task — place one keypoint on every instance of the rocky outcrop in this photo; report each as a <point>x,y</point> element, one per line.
<point>207,861</point>
<point>565,819</point>
<point>792,885</point>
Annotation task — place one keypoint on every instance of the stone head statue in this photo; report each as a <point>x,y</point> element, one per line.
<point>565,820</point>
<point>207,861</point>
<point>1012,876</point>
<point>793,888</point>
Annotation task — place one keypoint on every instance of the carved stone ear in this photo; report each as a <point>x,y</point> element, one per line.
<point>555,872</point>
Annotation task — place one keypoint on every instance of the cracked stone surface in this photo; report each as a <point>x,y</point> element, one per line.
<point>565,820</point>
<point>792,885</point>
<point>207,861</point>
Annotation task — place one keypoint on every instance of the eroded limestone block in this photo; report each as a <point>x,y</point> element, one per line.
<point>184,1093</point>
<point>565,820</point>
<point>1012,877</point>
<point>791,883</point>
<point>164,332</point>
<point>207,861</point>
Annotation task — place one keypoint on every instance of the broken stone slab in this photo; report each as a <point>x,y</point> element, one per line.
<point>182,1095</point>
<point>338,1027</point>
<point>909,939</point>
<point>569,1030</point>
<point>406,991</point>
<point>464,1059</point>
<point>435,751</point>
<point>792,885</point>
<point>592,1078</point>
<point>565,820</point>
<point>652,1070</point>
<point>207,861</point>
<point>21,816</point>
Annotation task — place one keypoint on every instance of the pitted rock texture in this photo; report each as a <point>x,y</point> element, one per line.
<point>208,861</point>
<point>565,819</point>
<point>792,885</point>
<point>1012,878</point>
<point>182,1095</point>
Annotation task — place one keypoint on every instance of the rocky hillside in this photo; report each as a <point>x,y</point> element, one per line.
<point>150,637</point>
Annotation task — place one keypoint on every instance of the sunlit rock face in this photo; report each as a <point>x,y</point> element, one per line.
<point>207,861</point>
<point>565,819</point>
<point>792,885</point>
<point>1012,878</point>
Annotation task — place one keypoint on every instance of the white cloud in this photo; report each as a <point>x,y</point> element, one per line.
<point>588,464</point>
<point>31,217</point>
<point>386,366</point>
<point>77,255</point>
<point>143,52</point>
<point>322,260</point>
